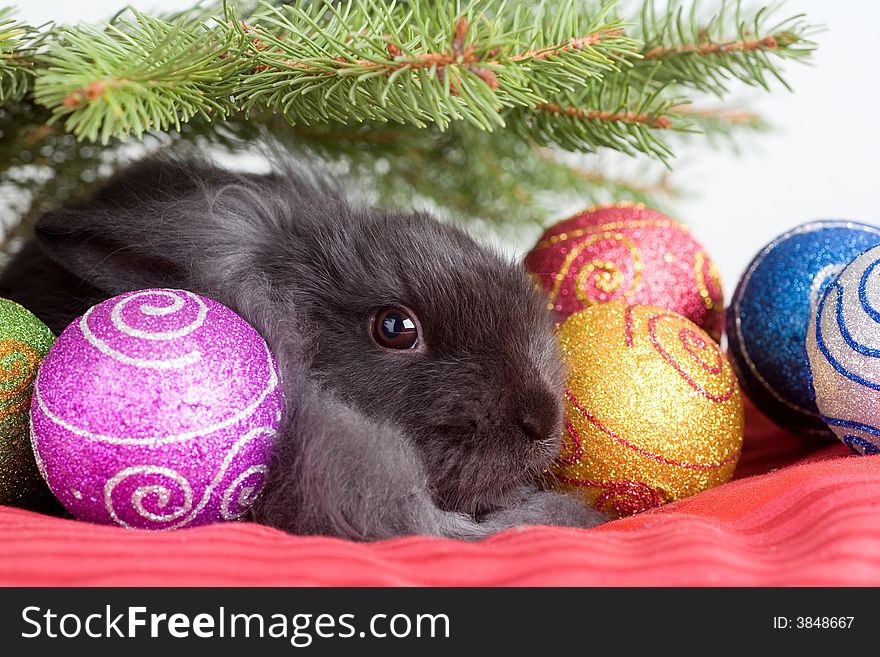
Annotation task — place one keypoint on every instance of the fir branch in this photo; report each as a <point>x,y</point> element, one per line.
<point>18,44</point>
<point>409,97</point>
<point>618,115</point>
<point>416,63</point>
<point>705,52</point>
<point>421,63</point>
<point>630,118</point>
<point>136,75</point>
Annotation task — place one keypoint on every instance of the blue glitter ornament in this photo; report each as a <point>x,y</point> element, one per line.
<point>770,311</point>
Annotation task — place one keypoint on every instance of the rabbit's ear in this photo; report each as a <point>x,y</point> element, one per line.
<point>142,228</point>
<point>106,250</point>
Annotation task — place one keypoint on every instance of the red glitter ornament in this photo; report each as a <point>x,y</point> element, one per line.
<point>629,253</point>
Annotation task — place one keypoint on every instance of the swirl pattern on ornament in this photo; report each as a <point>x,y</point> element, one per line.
<point>626,498</point>
<point>601,280</point>
<point>692,344</point>
<point>592,419</point>
<point>243,414</point>
<point>607,226</point>
<point>853,441</point>
<point>860,445</point>
<point>571,443</point>
<point>701,263</point>
<point>623,498</point>
<point>846,323</point>
<point>178,301</point>
<point>18,362</point>
<point>148,321</point>
<point>249,484</point>
<point>821,281</point>
<point>157,488</point>
<point>163,495</point>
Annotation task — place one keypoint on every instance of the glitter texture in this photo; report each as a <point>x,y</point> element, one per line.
<point>24,342</point>
<point>770,310</point>
<point>156,409</point>
<point>627,253</point>
<point>843,346</point>
<point>653,410</point>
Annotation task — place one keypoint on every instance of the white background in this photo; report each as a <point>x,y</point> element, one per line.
<point>822,160</point>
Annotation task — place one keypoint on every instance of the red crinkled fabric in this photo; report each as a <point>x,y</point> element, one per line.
<point>796,514</point>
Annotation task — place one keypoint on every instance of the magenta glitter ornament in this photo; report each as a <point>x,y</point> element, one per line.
<point>156,409</point>
<point>627,252</point>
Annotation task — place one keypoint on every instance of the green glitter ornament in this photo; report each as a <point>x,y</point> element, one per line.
<point>24,342</point>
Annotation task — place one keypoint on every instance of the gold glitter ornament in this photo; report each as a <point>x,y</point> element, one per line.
<point>24,342</point>
<point>653,409</point>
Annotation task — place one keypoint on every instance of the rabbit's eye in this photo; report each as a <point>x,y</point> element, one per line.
<point>395,328</point>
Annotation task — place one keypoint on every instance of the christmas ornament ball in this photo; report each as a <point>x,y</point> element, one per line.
<point>843,347</point>
<point>770,310</point>
<point>156,409</point>
<point>24,342</point>
<point>653,410</point>
<point>627,253</point>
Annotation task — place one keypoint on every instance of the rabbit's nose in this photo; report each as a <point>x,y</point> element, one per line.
<point>536,412</point>
<point>533,427</point>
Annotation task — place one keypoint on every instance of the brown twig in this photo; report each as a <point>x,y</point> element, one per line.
<point>574,44</point>
<point>460,54</point>
<point>710,48</point>
<point>660,122</point>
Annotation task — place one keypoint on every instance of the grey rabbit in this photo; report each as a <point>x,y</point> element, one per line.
<point>422,376</point>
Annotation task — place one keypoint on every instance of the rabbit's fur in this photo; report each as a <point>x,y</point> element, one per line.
<point>448,440</point>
